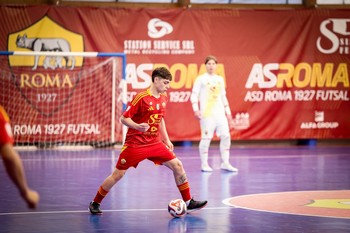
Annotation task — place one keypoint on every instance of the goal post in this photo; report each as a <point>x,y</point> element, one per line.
<point>64,98</point>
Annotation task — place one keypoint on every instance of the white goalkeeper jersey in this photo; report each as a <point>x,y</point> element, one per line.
<point>209,92</point>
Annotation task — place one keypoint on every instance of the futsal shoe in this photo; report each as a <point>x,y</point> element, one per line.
<point>228,167</point>
<point>94,208</point>
<point>195,205</point>
<point>206,168</point>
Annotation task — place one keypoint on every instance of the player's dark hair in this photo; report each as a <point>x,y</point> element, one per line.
<point>211,57</point>
<point>162,72</point>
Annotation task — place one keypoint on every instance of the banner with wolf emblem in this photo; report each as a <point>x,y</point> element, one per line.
<point>286,71</point>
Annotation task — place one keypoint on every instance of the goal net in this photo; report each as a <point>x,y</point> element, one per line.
<point>58,98</point>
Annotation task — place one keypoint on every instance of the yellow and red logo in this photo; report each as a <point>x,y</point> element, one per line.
<point>44,79</point>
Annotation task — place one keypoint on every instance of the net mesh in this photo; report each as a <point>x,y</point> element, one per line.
<point>56,102</point>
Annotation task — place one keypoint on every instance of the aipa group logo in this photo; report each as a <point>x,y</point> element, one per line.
<point>319,122</point>
<point>45,81</point>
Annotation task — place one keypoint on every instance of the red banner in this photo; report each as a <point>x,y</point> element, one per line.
<point>286,71</point>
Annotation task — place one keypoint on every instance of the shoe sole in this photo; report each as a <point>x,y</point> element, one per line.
<point>98,213</point>
<point>190,211</point>
<point>207,170</point>
<point>228,170</point>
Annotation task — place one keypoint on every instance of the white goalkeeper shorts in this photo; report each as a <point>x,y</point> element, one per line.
<point>211,125</point>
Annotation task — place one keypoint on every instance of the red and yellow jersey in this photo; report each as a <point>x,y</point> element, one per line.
<point>5,128</point>
<point>145,108</point>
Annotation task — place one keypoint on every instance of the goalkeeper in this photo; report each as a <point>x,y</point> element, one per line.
<point>214,114</point>
<point>13,163</point>
<point>147,138</point>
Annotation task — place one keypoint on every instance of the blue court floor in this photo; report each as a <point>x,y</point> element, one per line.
<point>67,181</point>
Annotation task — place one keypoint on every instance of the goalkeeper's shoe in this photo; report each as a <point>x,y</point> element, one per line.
<point>195,205</point>
<point>206,168</point>
<point>94,208</point>
<point>228,167</point>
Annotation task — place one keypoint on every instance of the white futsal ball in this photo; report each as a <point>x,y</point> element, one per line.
<point>177,208</point>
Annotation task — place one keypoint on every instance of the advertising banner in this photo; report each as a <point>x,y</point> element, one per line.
<point>286,71</point>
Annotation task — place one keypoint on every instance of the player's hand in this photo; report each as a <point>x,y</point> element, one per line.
<point>32,198</point>
<point>230,121</point>
<point>198,114</point>
<point>170,145</point>
<point>143,127</point>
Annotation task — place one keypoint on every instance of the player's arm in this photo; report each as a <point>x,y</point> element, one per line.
<point>15,170</point>
<point>143,127</point>
<point>164,134</point>
<point>227,109</point>
<point>226,106</point>
<point>195,99</point>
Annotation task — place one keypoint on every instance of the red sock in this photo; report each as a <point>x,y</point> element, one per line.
<point>101,193</point>
<point>185,191</point>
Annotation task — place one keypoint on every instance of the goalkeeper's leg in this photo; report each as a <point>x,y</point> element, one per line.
<point>225,145</point>
<point>207,133</point>
<point>203,153</point>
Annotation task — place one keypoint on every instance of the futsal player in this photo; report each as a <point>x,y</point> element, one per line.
<point>13,163</point>
<point>147,138</point>
<point>211,107</point>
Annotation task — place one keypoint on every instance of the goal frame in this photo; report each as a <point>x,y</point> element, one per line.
<point>91,54</point>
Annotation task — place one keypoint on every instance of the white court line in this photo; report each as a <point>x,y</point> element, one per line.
<point>265,156</point>
<point>192,157</point>
<point>87,211</point>
<point>62,148</point>
<point>64,159</point>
